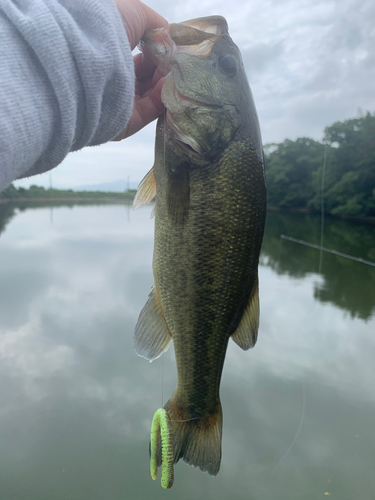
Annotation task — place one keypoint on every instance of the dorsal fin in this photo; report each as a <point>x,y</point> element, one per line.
<point>247,331</point>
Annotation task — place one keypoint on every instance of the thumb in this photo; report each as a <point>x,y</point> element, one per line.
<point>138,17</point>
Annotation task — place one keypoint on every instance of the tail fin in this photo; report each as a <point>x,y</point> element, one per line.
<point>197,440</point>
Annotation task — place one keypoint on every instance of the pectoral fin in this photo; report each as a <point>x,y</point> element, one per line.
<point>247,331</point>
<point>151,335</point>
<point>146,190</point>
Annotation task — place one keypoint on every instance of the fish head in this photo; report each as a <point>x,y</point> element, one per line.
<point>206,93</point>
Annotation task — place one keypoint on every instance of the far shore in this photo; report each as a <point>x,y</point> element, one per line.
<point>108,199</point>
<point>129,197</point>
<point>358,218</point>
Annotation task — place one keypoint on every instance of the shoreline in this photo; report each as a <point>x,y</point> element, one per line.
<point>130,198</point>
<point>67,198</point>
<point>354,218</point>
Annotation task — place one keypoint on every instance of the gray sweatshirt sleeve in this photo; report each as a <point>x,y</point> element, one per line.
<point>66,81</point>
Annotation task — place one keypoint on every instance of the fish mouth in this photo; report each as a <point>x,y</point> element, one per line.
<point>195,37</point>
<point>161,46</point>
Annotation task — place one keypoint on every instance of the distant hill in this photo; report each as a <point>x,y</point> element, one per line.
<point>115,186</point>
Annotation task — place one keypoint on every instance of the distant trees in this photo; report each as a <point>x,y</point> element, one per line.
<point>40,193</point>
<point>11,192</point>
<point>294,170</point>
<point>290,168</point>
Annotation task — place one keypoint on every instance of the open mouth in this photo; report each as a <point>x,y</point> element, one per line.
<point>195,37</point>
<point>161,46</point>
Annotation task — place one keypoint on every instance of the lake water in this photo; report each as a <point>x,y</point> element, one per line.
<point>77,403</point>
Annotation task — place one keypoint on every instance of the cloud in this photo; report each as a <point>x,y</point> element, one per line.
<point>257,58</point>
<point>310,63</point>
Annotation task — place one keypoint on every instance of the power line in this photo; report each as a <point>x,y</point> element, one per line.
<point>334,252</point>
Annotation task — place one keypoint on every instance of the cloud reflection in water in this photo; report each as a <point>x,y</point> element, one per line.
<point>77,402</point>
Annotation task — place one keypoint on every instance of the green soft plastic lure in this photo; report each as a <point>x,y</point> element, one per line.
<point>161,427</point>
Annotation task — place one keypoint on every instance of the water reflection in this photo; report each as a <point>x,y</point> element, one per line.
<point>77,403</point>
<point>7,212</point>
<point>347,284</point>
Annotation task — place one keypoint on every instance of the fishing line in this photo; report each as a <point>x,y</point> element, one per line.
<point>164,122</point>
<point>298,430</point>
<point>322,208</point>
<point>162,358</point>
<point>165,109</point>
<point>190,419</point>
<point>162,381</point>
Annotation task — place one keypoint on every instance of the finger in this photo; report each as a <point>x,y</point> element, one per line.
<point>143,86</point>
<point>157,76</point>
<point>143,67</point>
<point>153,20</point>
<point>137,18</point>
<point>146,109</point>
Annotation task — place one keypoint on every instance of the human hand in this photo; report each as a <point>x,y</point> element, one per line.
<point>147,100</point>
<point>137,18</point>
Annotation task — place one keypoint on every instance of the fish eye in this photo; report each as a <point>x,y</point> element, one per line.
<point>229,65</point>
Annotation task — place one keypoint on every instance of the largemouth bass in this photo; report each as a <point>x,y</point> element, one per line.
<point>209,182</point>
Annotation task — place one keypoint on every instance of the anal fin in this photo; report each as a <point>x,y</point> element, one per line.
<point>247,331</point>
<point>151,335</point>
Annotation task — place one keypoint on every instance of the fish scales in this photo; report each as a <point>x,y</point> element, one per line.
<point>210,205</point>
<point>203,272</point>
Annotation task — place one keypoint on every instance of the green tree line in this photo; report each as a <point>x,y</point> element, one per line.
<point>39,192</point>
<point>294,170</point>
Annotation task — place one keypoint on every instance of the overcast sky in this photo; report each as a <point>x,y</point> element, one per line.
<point>309,63</point>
